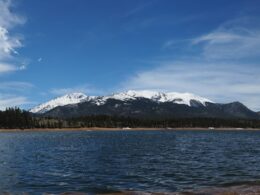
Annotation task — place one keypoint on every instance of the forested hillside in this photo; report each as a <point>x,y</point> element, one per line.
<point>15,118</point>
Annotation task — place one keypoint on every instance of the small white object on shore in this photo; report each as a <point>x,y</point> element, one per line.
<point>126,128</point>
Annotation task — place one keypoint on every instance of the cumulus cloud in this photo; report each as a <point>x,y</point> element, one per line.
<point>9,42</point>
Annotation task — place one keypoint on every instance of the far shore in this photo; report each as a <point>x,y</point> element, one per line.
<point>131,129</point>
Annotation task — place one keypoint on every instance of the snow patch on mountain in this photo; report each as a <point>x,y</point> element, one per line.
<point>185,98</point>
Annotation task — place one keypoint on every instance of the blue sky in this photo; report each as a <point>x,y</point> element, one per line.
<point>51,47</point>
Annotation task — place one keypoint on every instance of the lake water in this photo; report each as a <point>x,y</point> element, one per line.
<point>108,161</point>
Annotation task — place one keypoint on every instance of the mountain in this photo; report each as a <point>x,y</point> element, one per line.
<point>73,98</point>
<point>143,104</point>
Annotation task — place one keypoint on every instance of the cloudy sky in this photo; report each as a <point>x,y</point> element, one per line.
<point>52,47</point>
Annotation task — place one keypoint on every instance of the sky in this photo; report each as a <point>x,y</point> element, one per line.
<point>50,48</point>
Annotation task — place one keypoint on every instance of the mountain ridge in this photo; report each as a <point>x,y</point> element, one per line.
<point>143,104</point>
<point>74,98</point>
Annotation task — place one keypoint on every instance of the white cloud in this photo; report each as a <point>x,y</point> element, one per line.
<point>9,43</point>
<point>224,66</point>
<point>15,86</point>
<point>11,91</point>
<point>219,82</point>
<point>23,67</point>
<point>230,42</point>
<point>7,18</point>
<point>12,101</point>
<point>7,68</point>
<point>9,56</point>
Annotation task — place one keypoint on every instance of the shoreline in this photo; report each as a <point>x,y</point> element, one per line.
<point>130,129</point>
<point>245,189</point>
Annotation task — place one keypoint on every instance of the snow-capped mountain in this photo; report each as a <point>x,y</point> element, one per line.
<point>142,104</point>
<point>73,98</point>
<point>159,97</point>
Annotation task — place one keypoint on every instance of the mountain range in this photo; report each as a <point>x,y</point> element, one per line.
<point>142,104</point>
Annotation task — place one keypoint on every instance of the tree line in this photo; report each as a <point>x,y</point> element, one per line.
<point>15,118</point>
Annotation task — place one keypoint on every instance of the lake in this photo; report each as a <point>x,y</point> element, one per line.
<point>110,161</point>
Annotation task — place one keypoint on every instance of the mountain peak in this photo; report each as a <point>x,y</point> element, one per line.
<point>75,95</point>
<point>132,94</point>
<point>72,98</point>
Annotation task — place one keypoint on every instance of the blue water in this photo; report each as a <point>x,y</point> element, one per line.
<point>108,161</point>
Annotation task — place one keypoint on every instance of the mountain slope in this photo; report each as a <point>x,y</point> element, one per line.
<point>146,108</point>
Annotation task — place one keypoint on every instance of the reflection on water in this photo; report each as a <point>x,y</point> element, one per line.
<point>107,162</point>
